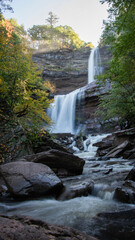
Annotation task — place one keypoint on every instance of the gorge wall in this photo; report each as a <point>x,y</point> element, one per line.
<point>68,70</point>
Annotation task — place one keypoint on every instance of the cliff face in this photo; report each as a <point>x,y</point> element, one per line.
<point>68,70</point>
<point>87,108</point>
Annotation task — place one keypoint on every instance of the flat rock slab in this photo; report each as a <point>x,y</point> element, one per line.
<point>28,179</point>
<point>20,228</point>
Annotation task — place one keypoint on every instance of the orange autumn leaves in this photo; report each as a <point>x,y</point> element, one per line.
<point>21,87</point>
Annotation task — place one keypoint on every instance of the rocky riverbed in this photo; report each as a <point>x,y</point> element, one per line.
<point>96,202</point>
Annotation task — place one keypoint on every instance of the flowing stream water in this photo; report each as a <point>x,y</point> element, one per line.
<point>77,212</point>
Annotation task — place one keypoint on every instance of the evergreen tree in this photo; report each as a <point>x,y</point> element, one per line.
<point>52,19</point>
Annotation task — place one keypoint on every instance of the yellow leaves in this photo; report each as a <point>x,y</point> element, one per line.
<point>49,86</point>
<point>7,25</point>
<point>20,85</point>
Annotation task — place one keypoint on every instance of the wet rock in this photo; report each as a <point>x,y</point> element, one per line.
<point>22,228</point>
<point>79,142</point>
<point>77,190</point>
<point>122,195</point>
<point>117,151</point>
<point>46,144</point>
<point>131,175</point>
<point>126,193</point>
<point>115,225</point>
<point>119,144</point>
<point>59,161</point>
<point>105,145</point>
<point>27,179</point>
<point>108,171</point>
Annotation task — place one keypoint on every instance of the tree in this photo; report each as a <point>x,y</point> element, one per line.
<point>52,19</point>
<point>56,37</point>
<point>4,5</point>
<point>119,33</point>
<point>22,91</point>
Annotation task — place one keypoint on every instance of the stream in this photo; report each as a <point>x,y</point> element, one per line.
<point>79,212</point>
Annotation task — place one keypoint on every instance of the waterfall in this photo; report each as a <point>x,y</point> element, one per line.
<point>62,111</point>
<point>94,65</point>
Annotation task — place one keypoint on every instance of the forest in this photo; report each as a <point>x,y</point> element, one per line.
<point>67,128</point>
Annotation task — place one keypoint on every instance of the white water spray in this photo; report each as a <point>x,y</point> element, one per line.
<point>94,65</point>
<point>62,111</point>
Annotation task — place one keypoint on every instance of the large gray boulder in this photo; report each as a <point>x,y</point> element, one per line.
<point>27,179</point>
<point>62,163</point>
<point>23,228</point>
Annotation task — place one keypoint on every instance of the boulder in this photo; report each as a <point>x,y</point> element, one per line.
<point>78,190</point>
<point>105,145</point>
<point>122,195</point>
<point>46,144</point>
<point>22,228</point>
<point>126,192</point>
<point>27,179</point>
<point>119,144</point>
<point>59,161</point>
<point>115,225</point>
<point>117,151</point>
<point>131,175</point>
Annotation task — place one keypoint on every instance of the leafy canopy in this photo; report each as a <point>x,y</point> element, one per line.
<point>4,5</point>
<point>51,37</point>
<point>119,34</point>
<point>22,91</point>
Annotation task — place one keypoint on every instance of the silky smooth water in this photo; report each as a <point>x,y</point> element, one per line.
<point>62,111</point>
<point>78,212</point>
<point>94,65</point>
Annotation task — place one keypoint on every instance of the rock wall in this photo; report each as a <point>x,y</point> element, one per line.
<point>68,70</point>
<point>87,109</point>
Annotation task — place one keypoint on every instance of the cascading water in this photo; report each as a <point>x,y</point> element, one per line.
<point>94,65</point>
<point>62,111</point>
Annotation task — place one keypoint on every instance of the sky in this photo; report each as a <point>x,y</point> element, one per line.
<point>84,16</point>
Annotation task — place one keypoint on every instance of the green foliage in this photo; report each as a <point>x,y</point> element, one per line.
<point>119,33</point>
<point>50,37</point>
<point>4,5</point>
<point>52,19</point>
<point>22,91</point>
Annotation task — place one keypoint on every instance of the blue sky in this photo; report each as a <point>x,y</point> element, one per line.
<point>84,16</point>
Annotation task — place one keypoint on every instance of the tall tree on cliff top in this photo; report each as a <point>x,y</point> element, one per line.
<point>52,19</point>
<point>119,33</point>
